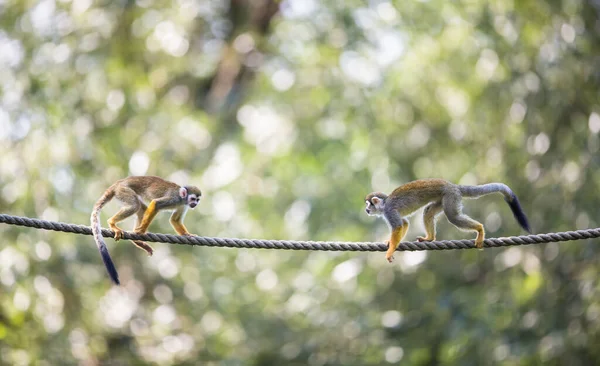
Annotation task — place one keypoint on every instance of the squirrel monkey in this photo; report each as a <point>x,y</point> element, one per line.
<point>133,192</point>
<point>439,195</point>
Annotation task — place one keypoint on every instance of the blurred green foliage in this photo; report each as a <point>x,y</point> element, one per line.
<point>286,115</point>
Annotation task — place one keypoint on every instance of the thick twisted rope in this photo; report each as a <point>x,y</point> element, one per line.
<point>304,245</point>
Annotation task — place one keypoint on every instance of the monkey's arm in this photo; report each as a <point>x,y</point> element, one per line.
<point>153,208</point>
<point>399,228</point>
<point>149,215</point>
<point>177,221</point>
<point>429,214</point>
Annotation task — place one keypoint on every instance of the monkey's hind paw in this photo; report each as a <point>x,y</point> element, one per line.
<point>118,234</point>
<point>422,238</point>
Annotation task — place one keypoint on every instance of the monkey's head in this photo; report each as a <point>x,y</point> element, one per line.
<point>375,203</point>
<point>191,195</point>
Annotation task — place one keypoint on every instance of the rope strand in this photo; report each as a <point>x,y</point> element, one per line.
<point>304,245</point>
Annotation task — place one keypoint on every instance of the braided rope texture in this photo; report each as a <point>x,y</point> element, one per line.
<point>304,245</point>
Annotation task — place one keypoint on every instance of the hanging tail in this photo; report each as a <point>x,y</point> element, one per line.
<point>509,197</point>
<point>517,210</point>
<point>97,231</point>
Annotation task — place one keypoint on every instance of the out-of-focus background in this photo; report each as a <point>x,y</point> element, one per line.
<point>287,114</point>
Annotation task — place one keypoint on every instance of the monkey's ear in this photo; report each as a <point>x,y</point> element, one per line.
<point>376,200</point>
<point>182,192</point>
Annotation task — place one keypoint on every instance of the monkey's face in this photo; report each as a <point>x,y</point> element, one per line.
<point>190,195</point>
<point>375,205</point>
<point>193,200</point>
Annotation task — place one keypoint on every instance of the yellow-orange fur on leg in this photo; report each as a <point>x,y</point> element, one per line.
<point>480,237</point>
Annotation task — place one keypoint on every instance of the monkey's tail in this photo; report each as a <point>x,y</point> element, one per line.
<point>97,231</point>
<point>509,197</point>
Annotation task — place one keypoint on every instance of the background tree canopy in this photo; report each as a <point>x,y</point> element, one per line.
<point>287,114</point>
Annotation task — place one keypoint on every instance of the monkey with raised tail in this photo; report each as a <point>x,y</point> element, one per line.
<point>134,193</point>
<point>439,195</point>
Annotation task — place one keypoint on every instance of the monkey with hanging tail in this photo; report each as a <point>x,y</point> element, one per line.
<point>436,195</point>
<point>134,193</point>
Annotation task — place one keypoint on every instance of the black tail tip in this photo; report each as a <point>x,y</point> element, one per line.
<point>517,211</point>
<point>110,266</point>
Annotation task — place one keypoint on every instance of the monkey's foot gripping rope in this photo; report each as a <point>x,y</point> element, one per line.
<point>304,245</point>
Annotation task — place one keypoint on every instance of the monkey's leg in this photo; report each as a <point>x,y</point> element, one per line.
<point>398,233</point>
<point>123,213</point>
<point>429,214</point>
<point>130,206</point>
<point>177,221</point>
<point>453,210</point>
<point>141,244</point>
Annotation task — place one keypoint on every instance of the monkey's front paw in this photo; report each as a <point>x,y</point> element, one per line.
<point>389,255</point>
<point>479,244</point>
<point>118,234</point>
<point>422,238</point>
